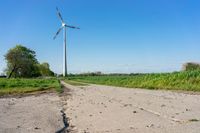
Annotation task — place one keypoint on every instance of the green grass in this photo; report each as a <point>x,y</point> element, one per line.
<point>75,83</point>
<point>187,81</point>
<point>20,86</point>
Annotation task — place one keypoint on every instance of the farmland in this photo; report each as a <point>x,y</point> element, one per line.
<point>21,86</point>
<point>187,80</point>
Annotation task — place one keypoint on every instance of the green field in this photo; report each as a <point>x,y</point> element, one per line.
<point>187,81</point>
<point>20,86</point>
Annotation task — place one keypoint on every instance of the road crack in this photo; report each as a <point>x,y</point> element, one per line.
<point>65,122</point>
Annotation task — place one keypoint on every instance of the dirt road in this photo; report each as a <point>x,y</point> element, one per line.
<point>103,109</point>
<point>31,114</point>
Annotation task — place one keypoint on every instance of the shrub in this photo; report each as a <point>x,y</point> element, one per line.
<point>191,66</point>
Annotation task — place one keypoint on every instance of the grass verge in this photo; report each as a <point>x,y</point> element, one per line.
<point>74,83</point>
<point>21,86</point>
<point>187,81</point>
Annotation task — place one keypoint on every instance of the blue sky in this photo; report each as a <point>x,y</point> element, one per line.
<point>116,35</point>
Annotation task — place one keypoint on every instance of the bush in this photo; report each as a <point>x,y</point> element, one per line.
<point>191,66</point>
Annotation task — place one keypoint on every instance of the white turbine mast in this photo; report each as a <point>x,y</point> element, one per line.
<point>63,27</point>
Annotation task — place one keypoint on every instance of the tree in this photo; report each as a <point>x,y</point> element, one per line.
<point>190,66</point>
<point>21,62</point>
<point>44,69</point>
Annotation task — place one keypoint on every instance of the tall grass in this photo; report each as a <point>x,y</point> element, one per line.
<point>13,86</point>
<point>188,80</point>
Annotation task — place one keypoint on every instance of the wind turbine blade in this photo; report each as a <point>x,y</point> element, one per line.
<point>59,15</point>
<point>57,33</point>
<point>72,27</point>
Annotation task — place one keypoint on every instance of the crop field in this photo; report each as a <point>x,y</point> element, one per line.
<point>187,81</point>
<point>20,86</point>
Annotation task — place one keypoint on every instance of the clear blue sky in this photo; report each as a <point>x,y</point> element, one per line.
<point>115,36</point>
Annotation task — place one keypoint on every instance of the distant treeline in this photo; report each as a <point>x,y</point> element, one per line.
<point>103,74</point>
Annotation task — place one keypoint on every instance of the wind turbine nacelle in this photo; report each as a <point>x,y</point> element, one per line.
<point>63,24</point>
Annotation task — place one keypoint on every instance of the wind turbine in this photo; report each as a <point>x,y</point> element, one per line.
<point>64,27</point>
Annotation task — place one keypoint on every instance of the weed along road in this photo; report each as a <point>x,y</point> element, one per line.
<point>103,109</point>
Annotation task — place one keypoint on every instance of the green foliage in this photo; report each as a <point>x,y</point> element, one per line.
<point>190,66</point>
<point>22,62</point>
<point>98,73</point>
<point>44,69</point>
<point>59,87</point>
<point>187,80</point>
<point>18,86</point>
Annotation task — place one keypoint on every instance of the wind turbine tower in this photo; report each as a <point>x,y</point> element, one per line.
<point>64,27</point>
